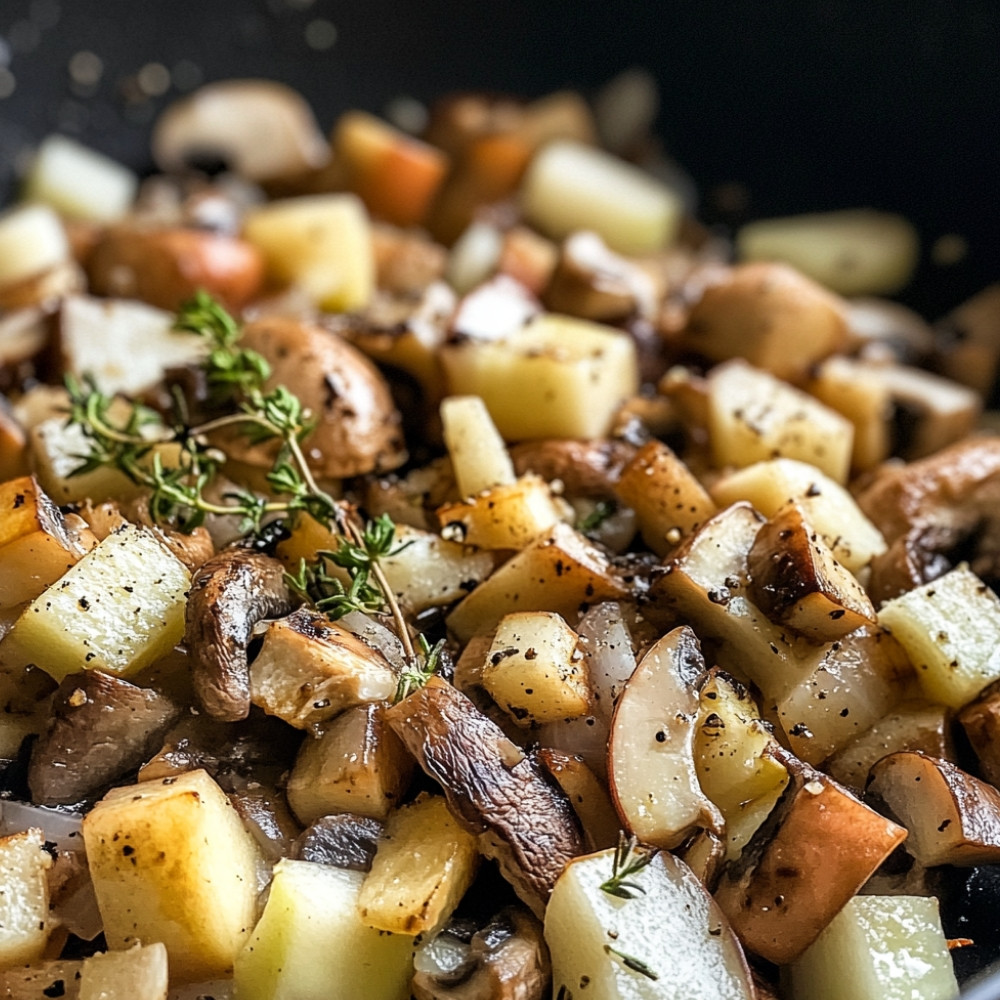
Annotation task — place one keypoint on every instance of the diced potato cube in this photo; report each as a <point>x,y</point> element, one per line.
<point>854,252</point>
<point>118,609</point>
<point>137,974</point>
<point>877,948</point>
<point>667,499</point>
<point>311,944</point>
<point>534,670</point>
<point>950,628</point>
<point>32,240</point>
<point>310,669</point>
<point>561,571</point>
<point>79,182</point>
<point>171,861</point>
<point>752,416</point>
<point>502,517</point>
<point>37,545</point>
<point>570,186</point>
<point>554,377</point>
<point>357,765</point>
<point>424,864</point>
<point>320,243</point>
<point>478,454</point>
<point>831,510</point>
<point>24,898</point>
<point>42,980</point>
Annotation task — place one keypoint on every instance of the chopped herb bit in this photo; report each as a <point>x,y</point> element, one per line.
<point>631,962</point>
<point>627,862</point>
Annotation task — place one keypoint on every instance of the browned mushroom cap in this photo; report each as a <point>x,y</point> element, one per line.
<point>585,468</point>
<point>357,423</point>
<point>952,817</point>
<point>344,841</point>
<point>166,266</point>
<point>491,787</point>
<point>810,856</point>
<point>928,507</point>
<point>506,960</point>
<point>229,595</point>
<point>101,728</point>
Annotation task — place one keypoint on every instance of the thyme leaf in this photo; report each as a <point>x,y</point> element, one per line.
<point>631,962</point>
<point>627,862</point>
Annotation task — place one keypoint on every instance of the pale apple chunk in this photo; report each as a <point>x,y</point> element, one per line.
<point>37,543</point>
<point>25,924</point>
<point>797,581</point>
<point>137,974</point>
<point>555,377</point>
<point>311,944</point>
<point>816,850</point>
<point>667,499</point>
<point>502,517</point>
<point>877,948</point>
<point>651,759</point>
<point>424,864</point>
<point>752,416</point>
<point>356,765</point>
<point>478,453</point>
<point>950,629</point>
<point>571,186</point>
<point>118,609</point>
<point>854,252</point>
<point>171,861</point>
<point>534,670</point>
<point>32,240</point>
<point>310,669</point>
<point>952,817</point>
<point>561,572</point>
<point>320,243</point>
<point>79,182</point>
<point>829,508</point>
<point>617,945</point>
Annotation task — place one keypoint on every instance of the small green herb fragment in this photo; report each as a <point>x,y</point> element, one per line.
<point>603,509</point>
<point>631,962</point>
<point>429,663</point>
<point>627,862</point>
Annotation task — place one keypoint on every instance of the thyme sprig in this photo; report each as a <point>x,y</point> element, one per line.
<point>428,664</point>
<point>128,437</point>
<point>627,862</point>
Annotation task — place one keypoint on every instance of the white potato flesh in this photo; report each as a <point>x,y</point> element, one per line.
<point>877,948</point>
<point>557,376</point>
<point>853,252</point>
<point>478,454</point>
<point>118,609</point>
<point>319,243</point>
<point>311,944</point>
<point>32,240</point>
<point>672,929</point>
<point>752,416</point>
<point>79,182</point>
<point>24,898</point>
<point>571,186</point>
<point>950,628</point>
<point>137,974</point>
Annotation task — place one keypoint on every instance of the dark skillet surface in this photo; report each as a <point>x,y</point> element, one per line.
<point>811,104</point>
